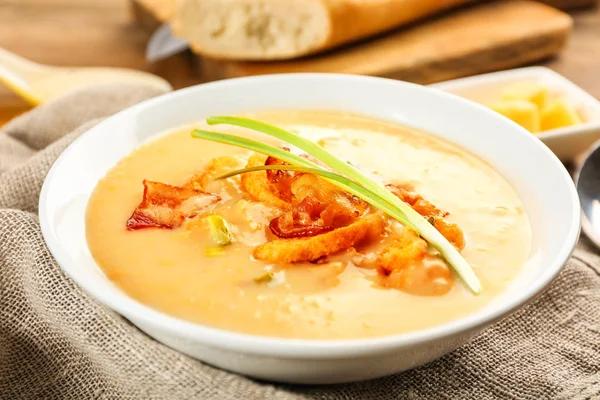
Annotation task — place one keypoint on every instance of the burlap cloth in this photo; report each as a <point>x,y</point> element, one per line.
<point>58,343</point>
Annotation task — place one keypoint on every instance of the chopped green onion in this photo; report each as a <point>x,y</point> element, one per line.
<point>214,251</point>
<point>376,192</point>
<point>219,230</point>
<point>264,278</point>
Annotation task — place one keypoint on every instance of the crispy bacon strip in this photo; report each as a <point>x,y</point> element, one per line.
<point>258,186</point>
<point>167,206</point>
<point>272,187</point>
<point>317,207</point>
<point>282,180</point>
<point>301,221</point>
<point>451,231</point>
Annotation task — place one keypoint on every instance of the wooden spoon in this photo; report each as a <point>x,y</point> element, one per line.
<point>37,83</point>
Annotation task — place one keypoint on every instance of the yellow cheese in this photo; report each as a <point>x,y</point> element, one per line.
<point>523,112</point>
<point>537,94</point>
<point>558,114</point>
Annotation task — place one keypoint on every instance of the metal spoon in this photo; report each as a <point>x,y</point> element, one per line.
<point>587,181</point>
<point>38,83</point>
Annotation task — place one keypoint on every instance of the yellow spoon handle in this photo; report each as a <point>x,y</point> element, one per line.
<point>37,83</point>
<point>17,73</point>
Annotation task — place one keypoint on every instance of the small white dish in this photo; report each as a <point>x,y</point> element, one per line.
<point>543,184</point>
<point>566,142</point>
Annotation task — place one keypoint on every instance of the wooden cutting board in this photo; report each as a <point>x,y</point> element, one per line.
<point>474,40</point>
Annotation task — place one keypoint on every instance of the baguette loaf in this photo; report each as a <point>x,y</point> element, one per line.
<point>283,29</point>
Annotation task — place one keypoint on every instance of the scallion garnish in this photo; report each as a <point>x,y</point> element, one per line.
<point>219,230</point>
<point>264,278</point>
<point>371,191</point>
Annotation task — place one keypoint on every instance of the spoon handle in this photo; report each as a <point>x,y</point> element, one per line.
<point>17,73</point>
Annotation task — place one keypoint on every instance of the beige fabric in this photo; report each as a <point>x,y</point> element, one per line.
<point>57,343</point>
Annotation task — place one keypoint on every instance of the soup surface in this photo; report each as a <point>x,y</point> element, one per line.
<point>181,271</point>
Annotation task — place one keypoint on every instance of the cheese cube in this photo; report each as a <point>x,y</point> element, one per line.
<point>533,92</point>
<point>523,112</point>
<point>558,114</point>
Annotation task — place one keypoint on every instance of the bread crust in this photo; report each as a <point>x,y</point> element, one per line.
<point>368,18</point>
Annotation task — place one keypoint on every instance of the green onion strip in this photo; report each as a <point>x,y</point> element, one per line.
<point>360,185</point>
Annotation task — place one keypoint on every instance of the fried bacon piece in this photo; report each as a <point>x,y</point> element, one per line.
<point>258,186</point>
<point>406,266</point>
<point>280,179</point>
<point>428,210</point>
<point>314,206</point>
<point>308,185</point>
<point>301,221</point>
<point>272,187</point>
<point>283,180</point>
<point>317,207</point>
<point>315,247</point>
<point>166,206</point>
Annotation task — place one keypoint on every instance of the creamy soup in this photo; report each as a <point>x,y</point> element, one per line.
<point>251,285</point>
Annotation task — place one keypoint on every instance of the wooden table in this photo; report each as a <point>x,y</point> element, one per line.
<point>101,33</point>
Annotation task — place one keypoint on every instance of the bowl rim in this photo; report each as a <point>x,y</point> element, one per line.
<point>291,347</point>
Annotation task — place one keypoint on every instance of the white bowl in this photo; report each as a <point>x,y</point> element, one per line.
<point>541,181</point>
<point>565,142</point>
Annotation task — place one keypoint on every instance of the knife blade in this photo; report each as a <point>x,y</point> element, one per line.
<point>163,44</point>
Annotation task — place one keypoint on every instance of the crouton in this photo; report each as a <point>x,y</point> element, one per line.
<point>312,248</point>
